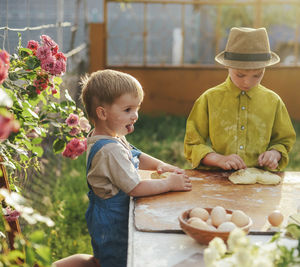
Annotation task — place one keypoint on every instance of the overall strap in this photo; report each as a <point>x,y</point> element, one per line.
<point>95,148</point>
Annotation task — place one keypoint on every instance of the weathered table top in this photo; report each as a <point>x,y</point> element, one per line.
<point>155,238</point>
<point>160,213</point>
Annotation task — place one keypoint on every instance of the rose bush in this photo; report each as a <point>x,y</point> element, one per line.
<point>39,110</point>
<point>34,111</point>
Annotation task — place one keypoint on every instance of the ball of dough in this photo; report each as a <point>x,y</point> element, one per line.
<point>254,175</point>
<point>226,227</point>
<point>156,175</point>
<point>275,218</point>
<point>218,216</point>
<point>200,213</point>
<point>239,218</point>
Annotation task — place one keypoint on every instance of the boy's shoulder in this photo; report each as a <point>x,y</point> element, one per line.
<point>266,92</point>
<point>214,91</point>
<point>108,143</point>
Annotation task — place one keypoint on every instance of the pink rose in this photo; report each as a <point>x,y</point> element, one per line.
<point>74,131</point>
<point>58,68</point>
<point>72,120</point>
<point>4,65</point>
<point>4,56</point>
<point>43,52</point>
<point>75,148</point>
<point>48,64</point>
<point>7,125</point>
<point>47,41</point>
<point>3,72</point>
<point>84,124</point>
<point>11,215</point>
<point>68,153</point>
<point>32,45</point>
<point>60,56</point>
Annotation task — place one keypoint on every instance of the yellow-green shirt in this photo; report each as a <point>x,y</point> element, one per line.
<point>246,123</point>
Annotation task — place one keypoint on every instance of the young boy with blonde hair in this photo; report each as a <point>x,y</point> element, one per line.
<point>112,100</point>
<point>247,124</point>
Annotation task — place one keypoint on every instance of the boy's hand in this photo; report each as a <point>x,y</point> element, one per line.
<point>269,159</point>
<point>232,161</point>
<point>229,162</point>
<point>179,182</point>
<point>164,167</point>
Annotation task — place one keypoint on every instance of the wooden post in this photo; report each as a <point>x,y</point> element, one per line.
<point>14,225</point>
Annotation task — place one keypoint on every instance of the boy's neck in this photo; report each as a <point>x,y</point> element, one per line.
<point>101,129</point>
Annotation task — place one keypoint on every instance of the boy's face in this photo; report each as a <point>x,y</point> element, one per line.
<point>246,79</point>
<point>122,115</point>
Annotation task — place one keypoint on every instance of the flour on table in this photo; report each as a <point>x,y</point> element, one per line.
<point>254,175</point>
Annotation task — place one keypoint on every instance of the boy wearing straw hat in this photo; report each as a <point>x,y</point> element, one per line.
<point>247,124</point>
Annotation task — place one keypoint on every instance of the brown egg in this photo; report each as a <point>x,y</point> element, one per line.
<point>275,218</point>
<point>218,216</point>
<point>239,218</point>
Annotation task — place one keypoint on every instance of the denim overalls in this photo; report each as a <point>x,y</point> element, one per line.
<point>107,219</point>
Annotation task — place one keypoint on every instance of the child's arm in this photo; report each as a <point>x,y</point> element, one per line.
<point>269,159</point>
<point>150,163</point>
<point>229,162</point>
<point>174,182</point>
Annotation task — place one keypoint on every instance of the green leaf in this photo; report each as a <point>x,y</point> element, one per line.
<point>24,52</point>
<point>58,146</point>
<point>36,141</point>
<point>38,150</point>
<point>6,85</point>
<point>32,63</point>
<point>13,76</point>
<point>30,258</point>
<point>33,113</point>
<point>27,144</point>
<point>24,157</point>
<point>55,124</point>
<point>57,80</point>
<point>37,237</point>
<point>15,254</point>
<point>44,253</point>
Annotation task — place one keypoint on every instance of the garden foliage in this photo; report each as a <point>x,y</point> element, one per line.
<point>33,110</point>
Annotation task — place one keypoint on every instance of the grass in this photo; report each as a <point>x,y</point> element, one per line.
<point>66,203</point>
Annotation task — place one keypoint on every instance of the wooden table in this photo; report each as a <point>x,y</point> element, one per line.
<point>155,238</point>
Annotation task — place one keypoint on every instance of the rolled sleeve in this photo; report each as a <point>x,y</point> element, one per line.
<point>283,135</point>
<point>195,148</point>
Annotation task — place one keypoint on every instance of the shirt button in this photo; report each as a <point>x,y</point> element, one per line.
<point>243,108</point>
<point>242,127</point>
<point>241,147</point>
<point>243,92</point>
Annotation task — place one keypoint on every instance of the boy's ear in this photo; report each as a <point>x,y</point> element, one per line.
<point>101,113</point>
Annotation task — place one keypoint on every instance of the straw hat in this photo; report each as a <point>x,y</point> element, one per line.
<point>247,48</point>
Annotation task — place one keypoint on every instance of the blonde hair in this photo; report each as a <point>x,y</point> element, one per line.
<point>104,87</point>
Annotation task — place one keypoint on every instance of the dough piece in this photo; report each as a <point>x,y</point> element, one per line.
<point>155,175</point>
<point>254,175</point>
